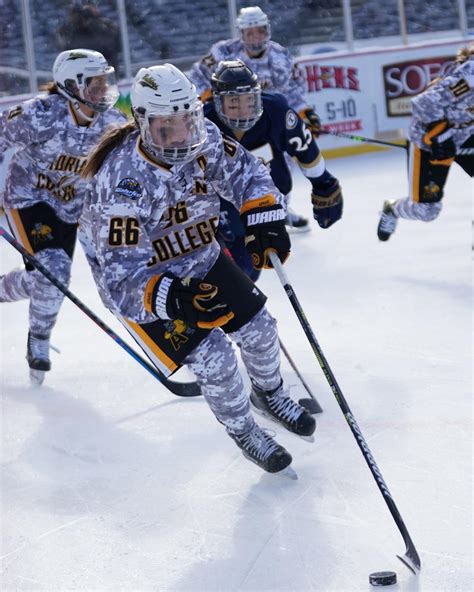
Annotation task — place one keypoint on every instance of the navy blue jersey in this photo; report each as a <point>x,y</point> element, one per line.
<point>279,130</point>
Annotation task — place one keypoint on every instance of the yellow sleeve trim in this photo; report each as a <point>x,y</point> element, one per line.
<point>445,162</point>
<point>438,128</point>
<point>149,292</point>
<point>206,95</point>
<point>260,202</point>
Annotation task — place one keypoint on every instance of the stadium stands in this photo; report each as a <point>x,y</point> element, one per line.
<point>183,31</point>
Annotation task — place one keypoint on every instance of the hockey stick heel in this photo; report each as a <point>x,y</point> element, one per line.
<point>310,405</point>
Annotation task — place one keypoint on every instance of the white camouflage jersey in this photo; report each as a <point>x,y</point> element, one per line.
<point>275,70</point>
<point>452,99</point>
<point>141,220</point>
<point>51,152</point>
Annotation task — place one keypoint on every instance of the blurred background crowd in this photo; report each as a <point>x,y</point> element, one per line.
<point>135,33</point>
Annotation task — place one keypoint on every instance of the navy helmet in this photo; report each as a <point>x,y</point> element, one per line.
<point>237,94</point>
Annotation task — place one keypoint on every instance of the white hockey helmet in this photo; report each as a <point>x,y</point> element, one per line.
<point>250,18</point>
<point>84,76</point>
<point>169,113</point>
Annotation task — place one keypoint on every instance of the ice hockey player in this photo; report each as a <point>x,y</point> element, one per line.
<point>441,132</point>
<point>274,67</point>
<point>148,231</point>
<point>265,121</point>
<point>44,195</point>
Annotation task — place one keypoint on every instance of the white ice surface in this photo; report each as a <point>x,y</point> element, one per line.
<point>111,483</point>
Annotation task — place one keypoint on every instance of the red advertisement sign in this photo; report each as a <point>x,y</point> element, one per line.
<point>343,126</point>
<point>404,80</point>
<point>319,77</point>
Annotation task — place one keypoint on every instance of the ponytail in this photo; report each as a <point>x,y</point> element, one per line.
<point>111,138</point>
<point>50,87</point>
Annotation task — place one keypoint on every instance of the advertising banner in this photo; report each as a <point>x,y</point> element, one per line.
<point>369,92</point>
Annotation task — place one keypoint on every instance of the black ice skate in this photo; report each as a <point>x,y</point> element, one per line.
<point>259,447</point>
<point>37,356</point>
<point>388,221</point>
<point>277,406</point>
<point>296,223</point>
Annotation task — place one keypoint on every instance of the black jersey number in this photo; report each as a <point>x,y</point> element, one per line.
<point>176,215</point>
<point>124,231</point>
<point>230,147</point>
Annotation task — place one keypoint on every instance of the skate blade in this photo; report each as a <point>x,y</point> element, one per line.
<point>266,415</point>
<point>287,473</point>
<point>298,229</point>
<point>37,377</point>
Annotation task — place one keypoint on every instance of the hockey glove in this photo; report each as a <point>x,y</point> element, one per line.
<point>265,231</point>
<point>191,300</point>
<point>327,202</point>
<point>439,138</point>
<point>311,119</point>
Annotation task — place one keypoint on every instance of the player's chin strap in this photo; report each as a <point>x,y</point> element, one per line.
<point>181,389</point>
<point>411,558</point>
<point>76,106</point>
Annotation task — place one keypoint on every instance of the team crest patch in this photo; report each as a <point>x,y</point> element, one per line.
<point>291,119</point>
<point>76,55</point>
<point>40,233</point>
<point>178,333</point>
<point>129,188</point>
<point>148,81</point>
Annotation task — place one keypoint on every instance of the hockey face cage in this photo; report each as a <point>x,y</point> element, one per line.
<point>174,138</point>
<point>255,39</point>
<point>240,108</point>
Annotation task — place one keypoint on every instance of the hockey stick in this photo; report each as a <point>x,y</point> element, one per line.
<point>310,404</point>
<point>411,558</point>
<point>362,139</point>
<point>181,389</point>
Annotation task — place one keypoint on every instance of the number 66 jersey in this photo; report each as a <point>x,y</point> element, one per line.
<point>142,218</point>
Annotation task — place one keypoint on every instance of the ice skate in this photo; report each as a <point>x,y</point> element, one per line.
<point>37,356</point>
<point>279,407</point>
<point>388,221</point>
<point>259,447</point>
<point>295,223</point>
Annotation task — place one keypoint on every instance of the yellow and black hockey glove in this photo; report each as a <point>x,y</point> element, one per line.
<point>311,119</point>
<point>265,231</point>
<point>191,300</point>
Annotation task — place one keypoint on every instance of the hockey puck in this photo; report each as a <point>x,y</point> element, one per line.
<point>383,578</point>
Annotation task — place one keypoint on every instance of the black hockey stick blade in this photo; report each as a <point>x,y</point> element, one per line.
<point>310,405</point>
<point>411,559</point>
<point>183,389</point>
